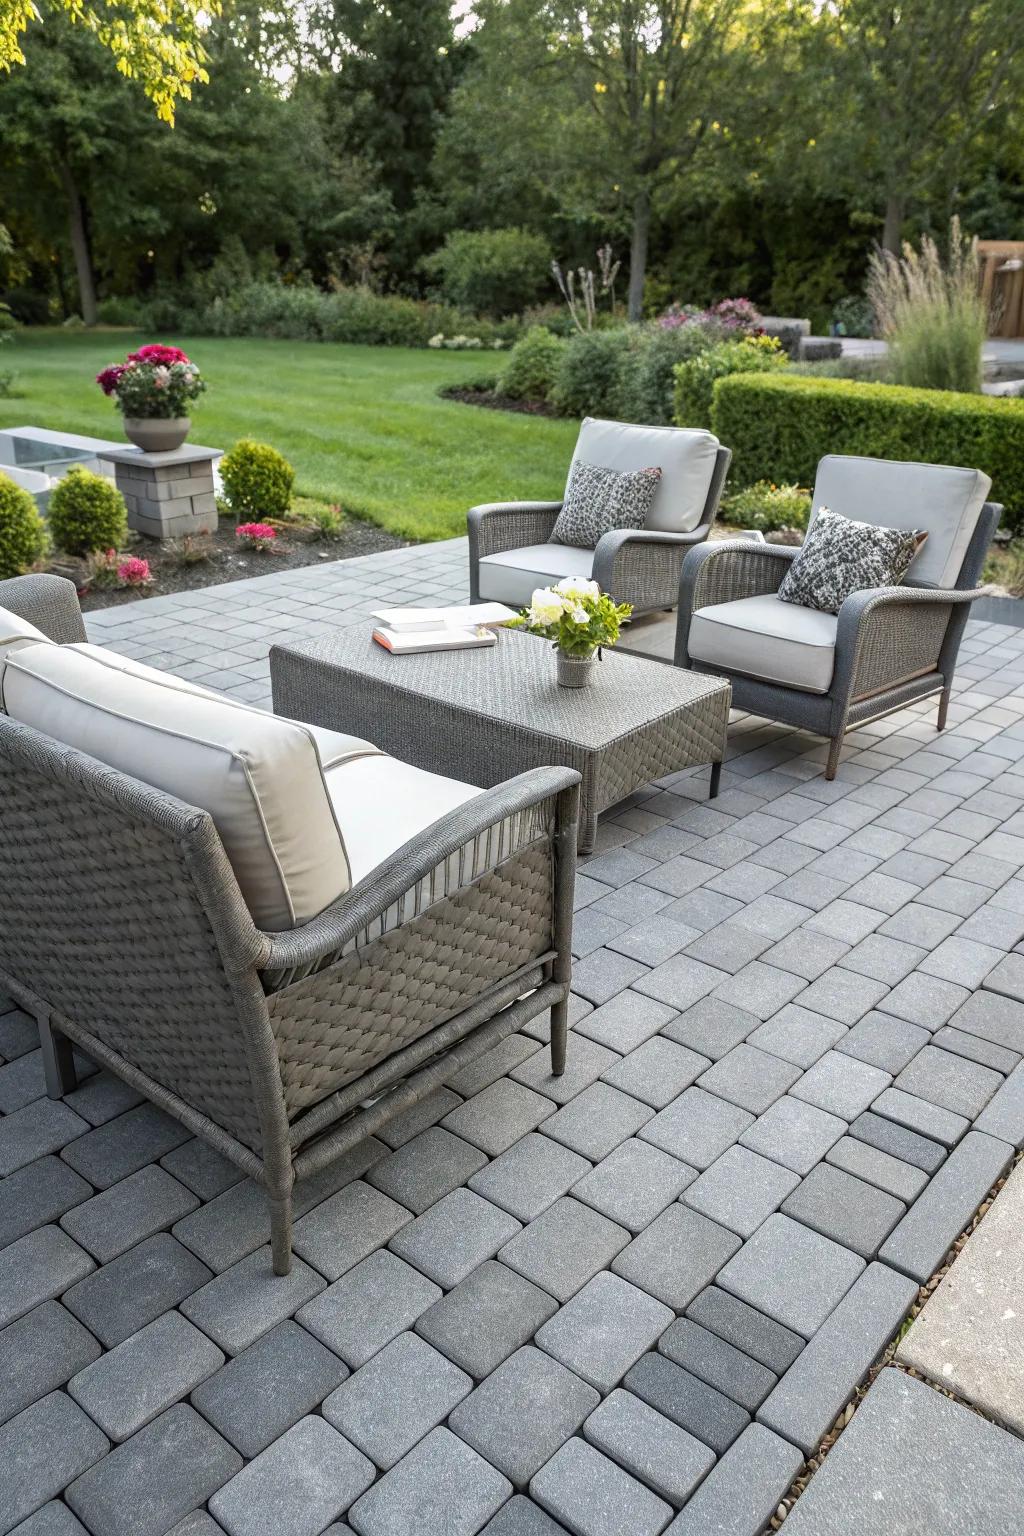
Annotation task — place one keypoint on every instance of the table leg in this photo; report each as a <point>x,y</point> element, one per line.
<point>716,779</point>
<point>588,833</point>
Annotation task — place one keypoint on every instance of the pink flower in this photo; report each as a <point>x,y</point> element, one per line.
<point>157,352</point>
<point>134,572</point>
<point>256,535</point>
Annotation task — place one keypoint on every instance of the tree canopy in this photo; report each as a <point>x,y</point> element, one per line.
<point>719,146</point>
<point>156,42</point>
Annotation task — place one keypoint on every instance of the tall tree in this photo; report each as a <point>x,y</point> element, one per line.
<point>610,103</point>
<point>655,73</point>
<point>918,83</point>
<point>66,124</point>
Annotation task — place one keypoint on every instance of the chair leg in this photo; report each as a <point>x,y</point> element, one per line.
<point>559,1036</point>
<point>944,696</point>
<point>281,1232</point>
<point>835,746</point>
<point>716,779</point>
<point>58,1060</point>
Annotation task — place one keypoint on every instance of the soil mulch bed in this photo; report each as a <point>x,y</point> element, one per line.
<point>226,561</point>
<point>491,400</point>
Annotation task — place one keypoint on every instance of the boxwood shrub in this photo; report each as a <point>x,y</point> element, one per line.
<point>587,381</point>
<point>86,513</point>
<point>22,530</point>
<point>258,481</point>
<point>779,425</point>
<point>532,365</point>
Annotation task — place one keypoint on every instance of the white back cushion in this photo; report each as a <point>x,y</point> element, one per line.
<point>14,633</point>
<point>333,747</point>
<point>686,459</point>
<point>944,500</point>
<point>258,775</point>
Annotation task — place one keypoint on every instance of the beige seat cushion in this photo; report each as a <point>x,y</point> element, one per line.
<point>944,500</point>
<point>14,633</point>
<point>381,802</point>
<point>762,637</point>
<point>685,457</point>
<point>258,775</point>
<point>515,574</point>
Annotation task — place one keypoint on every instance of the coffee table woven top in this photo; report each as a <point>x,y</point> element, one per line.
<point>514,681</point>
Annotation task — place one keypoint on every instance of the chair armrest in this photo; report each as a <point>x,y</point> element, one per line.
<point>498,525</point>
<point>723,572</point>
<point>48,602</point>
<point>641,565</point>
<point>352,913</point>
<point>887,634</point>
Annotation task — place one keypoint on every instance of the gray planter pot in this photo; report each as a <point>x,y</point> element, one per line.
<point>573,671</point>
<point>157,434</point>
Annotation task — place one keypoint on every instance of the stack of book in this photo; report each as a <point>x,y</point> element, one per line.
<point>405,631</point>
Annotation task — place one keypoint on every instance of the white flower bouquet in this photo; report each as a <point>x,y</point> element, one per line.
<point>575,615</point>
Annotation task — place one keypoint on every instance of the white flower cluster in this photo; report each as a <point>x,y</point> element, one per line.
<point>455,343</point>
<point>548,604</point>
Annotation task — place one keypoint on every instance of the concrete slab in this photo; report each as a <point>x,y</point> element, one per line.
<point>914,1463</point>
<point>970,1334</point>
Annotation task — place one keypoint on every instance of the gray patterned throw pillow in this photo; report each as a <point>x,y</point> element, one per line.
<point>600,500</point>
<point>840,556</point>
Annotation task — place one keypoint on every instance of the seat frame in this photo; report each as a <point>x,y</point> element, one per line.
<point>894,645</point>
<point>639,566</point>
<point>123,931</point>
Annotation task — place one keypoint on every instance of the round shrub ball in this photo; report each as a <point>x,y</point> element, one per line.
<point>532,364</point>
<point>86,513</point>
<point>257,480</point>
<point>22,530</point>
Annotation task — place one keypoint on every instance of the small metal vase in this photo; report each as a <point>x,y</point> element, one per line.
<point>574,671</point>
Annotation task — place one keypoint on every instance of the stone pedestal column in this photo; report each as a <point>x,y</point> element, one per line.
<point>167,494</point>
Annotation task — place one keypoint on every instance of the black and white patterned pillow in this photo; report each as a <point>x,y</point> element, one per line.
<point>600,500</point>
<point>840,556</point>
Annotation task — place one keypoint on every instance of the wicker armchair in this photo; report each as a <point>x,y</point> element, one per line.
<point>888,647</point>
<point>123,930</point>
<point>510,547</point>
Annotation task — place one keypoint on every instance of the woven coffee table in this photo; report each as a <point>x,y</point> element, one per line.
<point>484,715</point>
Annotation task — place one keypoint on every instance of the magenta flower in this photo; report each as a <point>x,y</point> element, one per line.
<point>158,354</point>
<point>107,380</point>
<point>256,535</point>
<point>134,572</point>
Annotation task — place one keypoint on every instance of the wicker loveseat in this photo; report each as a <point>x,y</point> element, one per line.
<point>123,928</point>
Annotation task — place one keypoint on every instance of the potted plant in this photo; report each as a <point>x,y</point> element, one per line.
<point>579,619</point>
<point>153,387</point>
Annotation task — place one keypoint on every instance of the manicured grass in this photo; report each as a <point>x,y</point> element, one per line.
<point>363,425</point>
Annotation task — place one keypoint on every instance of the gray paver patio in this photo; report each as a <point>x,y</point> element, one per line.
<point>796,1046</point>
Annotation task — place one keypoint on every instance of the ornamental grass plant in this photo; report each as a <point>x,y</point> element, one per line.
<point>931,312</point>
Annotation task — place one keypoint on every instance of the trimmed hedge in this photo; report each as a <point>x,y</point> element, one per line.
<point>779,425</point>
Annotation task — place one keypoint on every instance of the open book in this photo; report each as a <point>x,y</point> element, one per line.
<point>406,631</point>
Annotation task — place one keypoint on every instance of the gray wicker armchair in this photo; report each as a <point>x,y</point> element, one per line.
<point>888,647</point>
<point>123,930</point>
<point>510,547</point>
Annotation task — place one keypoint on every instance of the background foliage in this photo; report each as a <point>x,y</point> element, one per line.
<point>353,148</point>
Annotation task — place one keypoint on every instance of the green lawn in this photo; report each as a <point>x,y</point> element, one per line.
<point>362,425</point>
